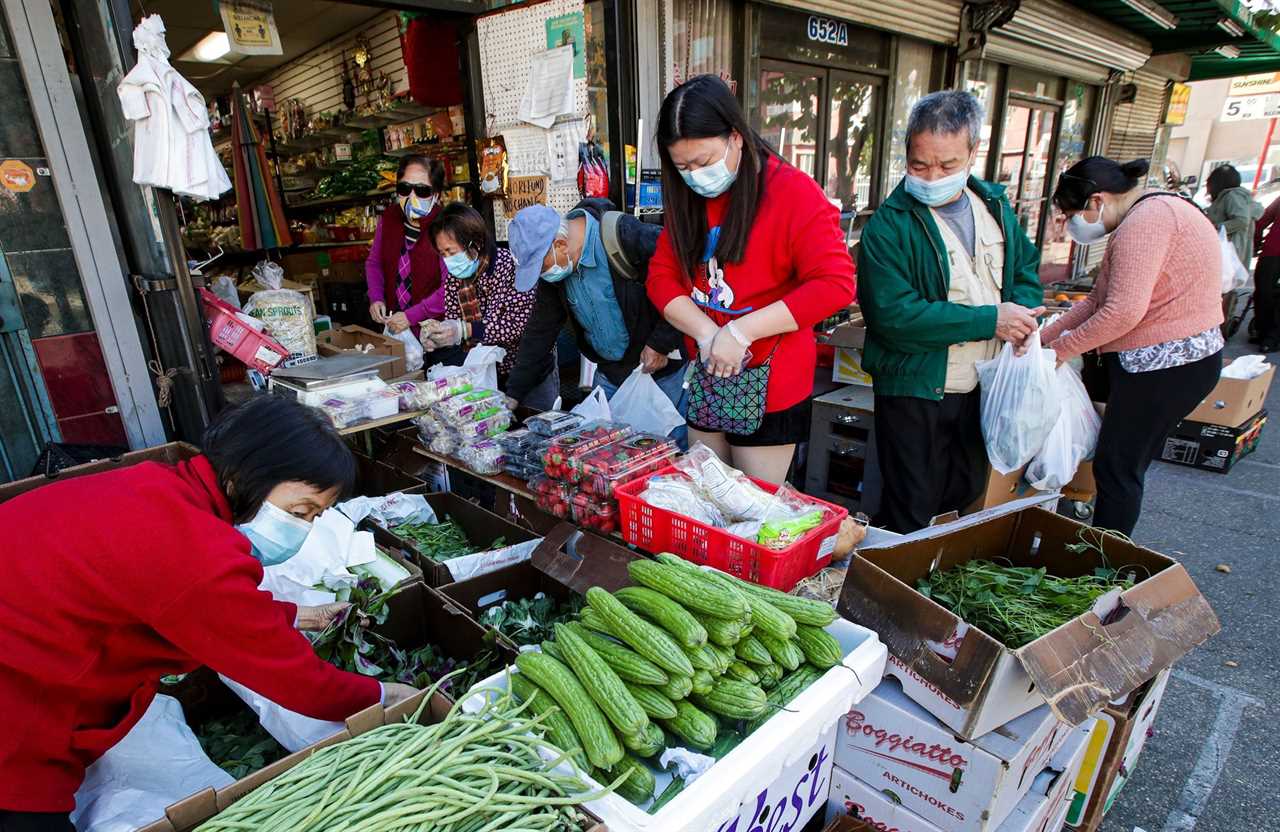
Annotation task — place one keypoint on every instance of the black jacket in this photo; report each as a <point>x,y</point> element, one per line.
<point>645,324</point>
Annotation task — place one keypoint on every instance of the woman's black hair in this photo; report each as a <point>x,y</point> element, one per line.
<point>434,168</point>
<point>1221,178</point>
<point>466,225</point>
<point>1097,175</point>
<point>702,108</point>
<point>268,440</point>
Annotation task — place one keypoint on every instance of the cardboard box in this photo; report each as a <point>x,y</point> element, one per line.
<point>1212,447</point>
<point>482,528</point>
<point>1041,809</point>
<point>975,684</point>
<point>171,453</point>
<point>1234,401</point>
<point>1082,485</point>
<point>1001,489</point>
<point>888,741</point>
<point>1116,740</point>
<point>845,823</point>
<point>847,368</point>
<point>351,337</point>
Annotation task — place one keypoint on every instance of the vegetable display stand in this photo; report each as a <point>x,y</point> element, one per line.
<point>781,769</point>
<point>659,530</point>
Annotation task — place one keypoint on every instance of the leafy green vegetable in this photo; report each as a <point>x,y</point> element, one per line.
<point>440,541</point>
<point>531,620</point>
<point>239,745</point>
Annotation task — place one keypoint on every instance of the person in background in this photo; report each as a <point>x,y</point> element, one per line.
<point>750,258</point>
<point>403,271</point>
<point>1266,280</point>
<point>481,302</point>
<point>1232,207</point>
<point>612,320</point>
<point>947,275</point>
<point>1154,314</point>
<point>171,584</point>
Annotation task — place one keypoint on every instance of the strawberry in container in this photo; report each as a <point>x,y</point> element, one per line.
<point>594,512</point>
<point>608,467</point>
<point>552,496</point>
<point>563,458</point>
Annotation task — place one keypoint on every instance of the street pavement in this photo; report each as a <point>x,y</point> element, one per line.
<point>1213,761</point>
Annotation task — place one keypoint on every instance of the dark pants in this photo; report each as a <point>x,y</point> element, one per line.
<point>932,458</point>
<point>1141,411</point>
<point>1266,297</point>
<point>35,822</point>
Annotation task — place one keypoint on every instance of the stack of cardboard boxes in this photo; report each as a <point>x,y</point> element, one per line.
<point>1224,428</point>
<point>967,735</point>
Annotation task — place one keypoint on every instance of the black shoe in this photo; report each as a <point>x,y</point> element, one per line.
<point>1270,346</point>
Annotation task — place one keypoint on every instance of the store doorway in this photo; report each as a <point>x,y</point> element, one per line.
<point>826,122</point>
<point>1026,158</point>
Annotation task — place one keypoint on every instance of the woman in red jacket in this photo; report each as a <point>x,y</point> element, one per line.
<point>117,579</point>
<point>751,257</point>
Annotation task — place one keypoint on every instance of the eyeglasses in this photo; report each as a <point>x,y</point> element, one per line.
<point>1093,186</point>
<point>406,188</point>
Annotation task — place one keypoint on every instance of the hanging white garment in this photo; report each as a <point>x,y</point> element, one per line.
<point>171,144</point>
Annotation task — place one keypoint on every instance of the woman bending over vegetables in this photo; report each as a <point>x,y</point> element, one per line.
<point>117,579</point>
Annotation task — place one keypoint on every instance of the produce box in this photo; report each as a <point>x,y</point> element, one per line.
<point>481,527</point>
<point>974,683</point>
<point>782,770</point>
<point>1233,401</point>
<point>1002,488</point>
<point>170,453</point>
<point>847,823</point>
<point>891,742</point>
<point>1213,447</point>
<point>1116,739</point>
<point>1041,809</point>
<point>352,337</point>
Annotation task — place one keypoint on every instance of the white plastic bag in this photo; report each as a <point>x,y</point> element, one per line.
<point>224,286</point>
<point>595,407</point>
<point>1020,404</point>
<point>412,348</point>
<point>1073,439</point>
<point>1235,275</point>
<point>641,403</point>
<point>158,763</point>
<point>1246,367</point>
<point>483,363</point>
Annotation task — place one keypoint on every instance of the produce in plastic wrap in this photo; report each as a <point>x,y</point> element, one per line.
<point>734,494</point>
<point>563,458</point>
<point>610,466</point>
<point>488,427</point>
<point>419,395</point>
<point>484,457</point>
<point>444,443</point>
<point>289,319</point>
<point>678,493</point>
<point>780,533</point>
<point>469,407</point>
<point>553,422</point>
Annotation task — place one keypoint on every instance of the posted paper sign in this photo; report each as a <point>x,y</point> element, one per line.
<point>550,89</point>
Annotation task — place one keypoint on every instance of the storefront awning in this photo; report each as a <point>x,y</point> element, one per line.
<point>1198,28</point>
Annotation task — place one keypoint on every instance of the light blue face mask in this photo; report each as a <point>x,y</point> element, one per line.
<point>276,534</point>
<point>939,191</point>
<point>556,272</point>
<point>461,265</point>
<point>712,180</point>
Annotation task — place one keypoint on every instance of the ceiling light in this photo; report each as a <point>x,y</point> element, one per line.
<point>1154,12</point>
<point>1228,51</point>
<point>211,47</point>
<point>1229,26</point>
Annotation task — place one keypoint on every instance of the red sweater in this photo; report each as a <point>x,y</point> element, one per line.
<point>114,580</point>
<point>795,254</point>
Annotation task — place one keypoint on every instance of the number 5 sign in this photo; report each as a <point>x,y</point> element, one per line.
<point>1250,107</point>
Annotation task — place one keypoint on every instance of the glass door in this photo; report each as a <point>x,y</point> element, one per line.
<point>788,112</point>
<point>1026,158</point>
<point>852,128</point>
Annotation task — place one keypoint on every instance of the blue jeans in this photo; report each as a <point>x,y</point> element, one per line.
<point>673,386</point>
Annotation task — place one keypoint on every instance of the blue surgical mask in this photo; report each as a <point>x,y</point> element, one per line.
<point>461,265</point>
<point>556,272</point>
<point>276,534</point>
<point>415,207</point>
<point>939,191</point>
<point>712,180</point>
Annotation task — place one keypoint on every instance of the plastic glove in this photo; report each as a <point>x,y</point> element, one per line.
<point>397,323</point>
<point>728,354</point>
<point>319,617</point>
<point>439,334</point>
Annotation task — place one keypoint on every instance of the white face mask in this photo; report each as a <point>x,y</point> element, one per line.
<point>1085,232</point>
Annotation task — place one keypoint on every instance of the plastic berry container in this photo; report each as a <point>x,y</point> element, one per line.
<point>563,458</point>
<point>610,466</point>
<point>553,422</point>
<point>553,496</point>
<point>594,513</point>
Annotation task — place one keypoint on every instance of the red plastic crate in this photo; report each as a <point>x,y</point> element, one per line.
<point>232,335</point>
<point>659,530</point>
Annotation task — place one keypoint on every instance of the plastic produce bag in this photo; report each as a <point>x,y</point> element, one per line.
<point>1246,367</point>
<point>641,403</point>
<point>158,763</point>
<point>1020,404</point>
<point>412,348</point>
<point>224,286</point>
<point>679,494</point>
<point>1235,275</point>
<point>1073,439</point>
<point>483,363</point>
<point>732,492</point>
<point>595,407</point>
<point>288,316</point>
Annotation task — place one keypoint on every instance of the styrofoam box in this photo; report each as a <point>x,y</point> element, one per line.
<point>889,741</point>
<point>784,767</point>
<point>1041,809</point>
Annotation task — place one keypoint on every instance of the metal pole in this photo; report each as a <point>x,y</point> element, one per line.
<point>1262,158</point>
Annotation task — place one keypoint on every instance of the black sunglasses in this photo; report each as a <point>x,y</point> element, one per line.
<point>406,188</point>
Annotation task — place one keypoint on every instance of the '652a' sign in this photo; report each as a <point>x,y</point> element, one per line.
<point>826,30</point>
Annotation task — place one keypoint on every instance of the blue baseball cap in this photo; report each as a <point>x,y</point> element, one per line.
<point>530,235</point>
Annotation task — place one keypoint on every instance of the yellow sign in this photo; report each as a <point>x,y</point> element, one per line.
<point>1179,100</point>
<point>1255,84</point>
<point>17,176</point>
<point>523,191</point>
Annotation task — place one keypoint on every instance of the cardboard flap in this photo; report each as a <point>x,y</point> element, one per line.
<point>974,519</point>
<point>190,811</point>
<point>1085,664</point>
<point>552,552</point>
<point>583,560</point>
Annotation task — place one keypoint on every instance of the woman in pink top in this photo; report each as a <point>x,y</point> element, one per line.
<point>1154,315</point>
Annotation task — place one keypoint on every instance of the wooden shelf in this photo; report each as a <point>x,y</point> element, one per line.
<point>450,146</point>
<point>332,201</point>
<point>378,423</point>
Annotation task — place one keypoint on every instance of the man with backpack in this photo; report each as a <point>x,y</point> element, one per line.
<point>590,267</point>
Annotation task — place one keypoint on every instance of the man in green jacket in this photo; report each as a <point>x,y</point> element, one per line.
<point>945,274</point>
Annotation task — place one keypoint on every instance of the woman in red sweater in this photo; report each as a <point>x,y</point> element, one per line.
<point>1154,315</point>
<point>120,578</point>
<point>751,257</point>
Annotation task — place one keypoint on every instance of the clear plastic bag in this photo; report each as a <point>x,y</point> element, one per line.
<point>1072,440</point>
<point>732,492</point>
<point>413,354</point>
<point>1235,275</point>
<point>679,494</point>
<point>1020,404</point>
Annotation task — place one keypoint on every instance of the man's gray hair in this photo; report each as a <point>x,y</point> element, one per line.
<point>946,113</point>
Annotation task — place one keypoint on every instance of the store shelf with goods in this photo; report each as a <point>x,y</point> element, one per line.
<point>333,201</point>
<point>303,144</point>
<point>448,147</point>
<point>332,244</point>
<point>401,111</point>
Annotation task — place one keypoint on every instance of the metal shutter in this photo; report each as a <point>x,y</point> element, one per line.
<point>932,20</point>
<point>1135,125</point>
<point>1057,37</point>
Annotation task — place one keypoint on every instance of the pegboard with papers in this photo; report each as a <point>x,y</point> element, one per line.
<point>509,40</point>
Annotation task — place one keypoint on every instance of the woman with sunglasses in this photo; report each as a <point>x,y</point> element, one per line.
<point>404,272</point>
